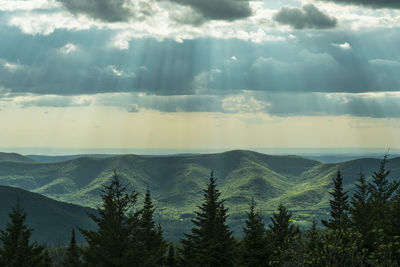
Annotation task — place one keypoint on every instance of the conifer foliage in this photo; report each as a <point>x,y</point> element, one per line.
<point>339,206</point>
<point>16,249</point>
<point>210,242</point>
<point>73,257</point>
<point>281,234</point>
<point>152,245</point>
<point>253,250</point>
<point>109,245</point>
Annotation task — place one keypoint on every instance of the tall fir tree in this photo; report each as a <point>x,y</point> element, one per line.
<point>339,206</point>
<point>359,210</point>
<point>73,256</point>
<point>253,250</point>
<point>171,258</point>
<point>116,227</point>
<point>281,234</point>
<point>16,249</point>
<point>150,236</point>
<point>211,242</point>
<point>381,191</point>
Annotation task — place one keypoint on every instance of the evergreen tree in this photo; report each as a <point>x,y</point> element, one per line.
<point>171,259</point>
<point>109,245</point>
<point>313,238</point>
<point>73,254</point>
<point>16,250</point>
<point>360,210</point>
<point>282,235</point>
<point>211,242</point>
<point>254,244</point>
<point>339,206</point>
<point>150,235</point>
<point>381,191</point>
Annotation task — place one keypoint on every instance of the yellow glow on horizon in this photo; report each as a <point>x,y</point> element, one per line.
<point>108,127</point>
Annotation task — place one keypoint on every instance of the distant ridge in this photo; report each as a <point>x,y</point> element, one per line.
<point>177,181</point>
<point>52,220</point>
<point>14,157</point>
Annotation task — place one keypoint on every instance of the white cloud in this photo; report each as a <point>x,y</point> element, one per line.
<point>68,48</point>
<point>18,5</point>
<point>10,66</point>
<point>244,104</point>
<point>345,46</point>
<point>385,62</point>
<point>119,73</point>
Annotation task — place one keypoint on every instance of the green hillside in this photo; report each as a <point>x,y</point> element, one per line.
<point>176,182</point>
<point>52,220</point>
<point>14,157</point>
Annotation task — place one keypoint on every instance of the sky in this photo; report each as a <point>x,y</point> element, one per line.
<point>193,75</point>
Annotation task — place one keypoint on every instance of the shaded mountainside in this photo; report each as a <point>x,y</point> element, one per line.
<point>52,220</point>
<point>176,182</point>
<point>14,157</point>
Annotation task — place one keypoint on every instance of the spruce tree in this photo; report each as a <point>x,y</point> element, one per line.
<point>150,236</point>
<point>73,255</point>
<point>211,242</point>
<point>339,206</point>
<point>282,235</point>
<point>360,210</point>
<point>16,249</point>
<point>381,191</point>
<point>110,244</point>
<point>171,259</point>
<point>254,244</point>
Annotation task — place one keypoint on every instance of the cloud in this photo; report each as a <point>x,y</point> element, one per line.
<point>345,46</point>
<point>369,3</point>
<point>109,10</point>
<point>374,105</point>
<point>385,62</point>
<point>244,104</point>
<point>68,48</point>
<point>229,10</point>
<point>308,17</point>
<point>53,101</point>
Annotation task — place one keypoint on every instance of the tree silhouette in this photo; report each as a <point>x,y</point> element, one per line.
<point>109,245</point>
<point>254,250</point>
<point>211,242</point>
<point>17,250</point>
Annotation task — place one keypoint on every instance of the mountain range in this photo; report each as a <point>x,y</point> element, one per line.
<point>51,220</point>
<point>176,182</point>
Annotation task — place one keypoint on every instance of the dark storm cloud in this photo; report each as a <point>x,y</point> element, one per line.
<point>35,65</point>
<point>104,10</point>
<point>332,104</point>
<point>308,17</point>
<point>370,3</point>
<point>218,9</point>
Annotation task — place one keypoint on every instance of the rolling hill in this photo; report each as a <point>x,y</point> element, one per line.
<point>14,157</point>
<point>176,182</point>
<point>51,220</point>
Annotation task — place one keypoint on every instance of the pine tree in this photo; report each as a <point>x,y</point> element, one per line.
<point>313,245</point>
<point>339,206</point>
<point>211,242</point>
<point>282,234</point>
<point>73,254</point>
<point>381,191</point>
<point>150,235</point>
<point>360,210</point>
<point>109,245</point>
<point>313,237</point>
<point>171,259</point>
<point>16,250</point>
<point>254,250</point>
